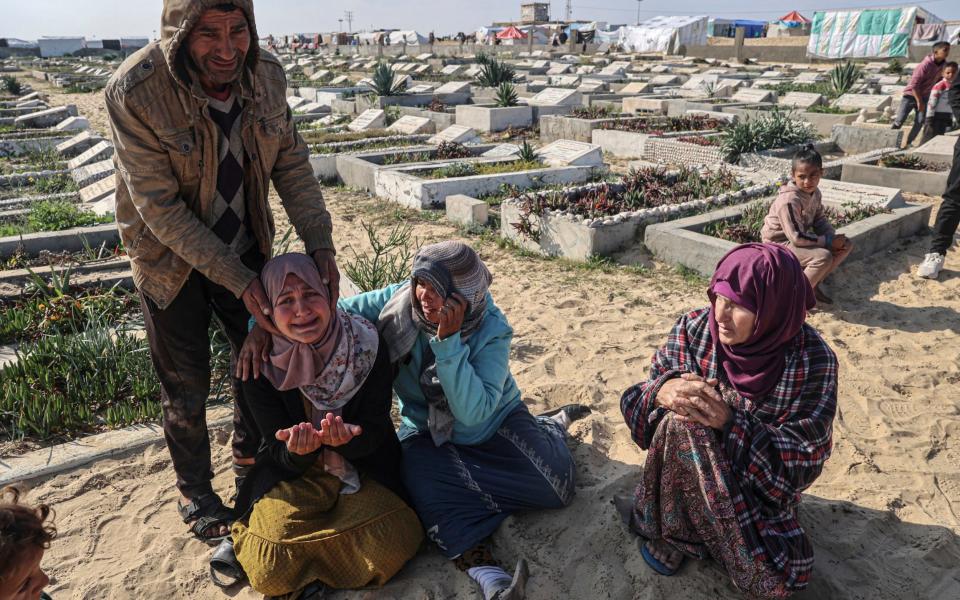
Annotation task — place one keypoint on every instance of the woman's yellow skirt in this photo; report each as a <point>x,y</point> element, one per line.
<point>303,531</point>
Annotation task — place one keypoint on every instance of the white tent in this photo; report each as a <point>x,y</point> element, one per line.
<point>408,37</point>
<point>665,34</point>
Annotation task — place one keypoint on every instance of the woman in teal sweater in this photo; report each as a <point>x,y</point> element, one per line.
<point>472,453</point>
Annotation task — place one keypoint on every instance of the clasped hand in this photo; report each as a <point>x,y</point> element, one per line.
<point>694,398</point>
<point>305,438</point>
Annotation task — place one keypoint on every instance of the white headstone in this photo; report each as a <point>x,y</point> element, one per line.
<point>661,69</point>
<point>801,99</point>
<point>558,70</point>
<point>73,124</point>
<point>423,88</point>
<point>422,69</point>
<point>98,190</point>
<point>942,144</point>
<point>341,80</point>
<point>557,97</point>
<point>637,87</point>
<point>808,77</point>
<point>295,101</point>
<point>663,80</point>
<point>873,103</point>
<point>753,95</point>
<point>320,75</point>
<point>501,150</point>
<point>101,151</point>
<point>563,153</point>
<point>889,80</point>
<point>460,134</point>
<point>837,193</point>
<point>454,87</point>
<point>312,108</point>
<point>451,70</point>
<point>411,125</point>
<point>373,118</point>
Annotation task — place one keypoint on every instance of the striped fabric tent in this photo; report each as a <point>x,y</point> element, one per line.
<point>793,19</point>
<point>876,33</point>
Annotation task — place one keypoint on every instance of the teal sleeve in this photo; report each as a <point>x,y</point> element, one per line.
<point>369,304</point>
<point>473,385</point>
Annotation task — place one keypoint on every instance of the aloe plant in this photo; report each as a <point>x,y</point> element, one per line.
<point>506,95</point>
<point>493,73</point>
<point>527,152</point>
<point>385,81</point>
<point>843,77</point>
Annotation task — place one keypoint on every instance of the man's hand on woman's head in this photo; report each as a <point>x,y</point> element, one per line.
<point>254,353</point>
<point>327,265</point>
<point>258,305</point>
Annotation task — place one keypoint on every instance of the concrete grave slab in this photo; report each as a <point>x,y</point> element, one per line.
<point>454,87</point>
<point>559,70</point>
<point>295,102</point>
<point>665,80</point>
<point>873,103</point>
<point>502,151</point>
<point>491,118</point>
<point>423,88</point>
<point>92,173</point>
<point>451,70</point>
<point>801,100</point>
<point>753,96</point>
<point>838,193</point>
<point>101,151</point>
<point>459,134</point>
<point>45,118</point>
<point>373,118</point>
<point>636,87</point>
<point>466,210</point>
<point>411,125</point>
<point>78,144</point>
<point>98,190</point>
<point>73,124</point>
<point>563,153</point>
<point>942,144</point>
<point>930,183</point>
<point>557,97</point>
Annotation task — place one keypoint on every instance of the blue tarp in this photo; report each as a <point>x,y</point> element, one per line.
<point>728,28</point>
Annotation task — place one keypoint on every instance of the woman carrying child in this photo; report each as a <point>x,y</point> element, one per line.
<point>798,221</point>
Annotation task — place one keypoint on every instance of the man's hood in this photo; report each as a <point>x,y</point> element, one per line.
<point>180,16</point>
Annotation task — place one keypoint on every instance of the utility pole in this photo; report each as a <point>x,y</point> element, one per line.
<point>638,11</point>
<point>569,10</point>
<point>348,14</point>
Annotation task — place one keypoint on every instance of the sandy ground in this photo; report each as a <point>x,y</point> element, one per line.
<point>883,517</point>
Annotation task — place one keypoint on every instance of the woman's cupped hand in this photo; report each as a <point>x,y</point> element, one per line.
<point>305,438</point>
<point>694,398</point>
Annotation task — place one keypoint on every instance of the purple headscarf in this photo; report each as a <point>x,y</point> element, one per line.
<point>767,280</point>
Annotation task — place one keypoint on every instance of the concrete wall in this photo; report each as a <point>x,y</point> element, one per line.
<point>452,50</point>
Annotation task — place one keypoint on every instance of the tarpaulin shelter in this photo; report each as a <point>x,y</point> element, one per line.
<point>665,34</point>
<point>511,35</point>
<point>409,37</point>
<point>728,28</point>
<point>792,20</point>
<point>873,33</point>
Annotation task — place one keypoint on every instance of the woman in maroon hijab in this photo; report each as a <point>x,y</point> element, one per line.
<point>737,420</point>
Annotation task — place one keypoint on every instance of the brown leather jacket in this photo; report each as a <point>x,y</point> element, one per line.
<point>166,159</point>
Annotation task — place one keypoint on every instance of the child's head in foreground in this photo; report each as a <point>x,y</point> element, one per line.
<point>24,535</point>
<point>807,168</point>
<point>950,71</point>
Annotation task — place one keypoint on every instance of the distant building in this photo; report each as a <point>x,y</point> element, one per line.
<point>59,46</point>
<point>535,12</point>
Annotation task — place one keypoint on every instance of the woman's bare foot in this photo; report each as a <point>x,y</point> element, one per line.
<point>668,556</point>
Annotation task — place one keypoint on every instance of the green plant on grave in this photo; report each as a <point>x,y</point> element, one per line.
<point>594,111</point>
<point>527,153</point>
<point>773,129</point>
<point>457,169</point>
<point>43,160</point>
<point>385,82</point>
<point>58,184</point>
<point>894,67</point>
<point>389,261</point>
<point>11,85</point>
<point>506,95</point>
<point>392,114</point>
<point>57,215</point>
<point>494,73</point>
<point>843,77</point>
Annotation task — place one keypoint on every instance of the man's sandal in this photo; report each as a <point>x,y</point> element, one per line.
<point>206,512</point>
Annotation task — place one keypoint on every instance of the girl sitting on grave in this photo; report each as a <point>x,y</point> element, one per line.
<point>798,221</point>
<point>24,536</point>
<point>737,420</point>
<point>472,453</point>
<point>323,505</point>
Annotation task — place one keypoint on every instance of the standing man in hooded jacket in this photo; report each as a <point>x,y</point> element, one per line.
<point>201,127</point>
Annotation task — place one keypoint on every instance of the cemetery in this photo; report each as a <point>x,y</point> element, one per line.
<point>601,171</point>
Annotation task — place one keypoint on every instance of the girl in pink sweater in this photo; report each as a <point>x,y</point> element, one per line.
<point>797,220</point>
